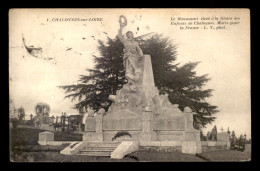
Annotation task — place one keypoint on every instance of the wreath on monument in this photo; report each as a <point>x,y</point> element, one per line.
<point>120,134</point>
<point>124,22</point>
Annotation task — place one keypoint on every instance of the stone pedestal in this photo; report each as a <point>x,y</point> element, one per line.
<point>189,121</point>
<point>44,137</point>
<point>93,136</point>
<point>99,123</point>
<point>94,128</point>
<point>193,135</point>
<point>191,147</point>
<point>146,134</point>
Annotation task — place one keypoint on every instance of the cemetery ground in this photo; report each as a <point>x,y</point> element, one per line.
<point>24,148</point>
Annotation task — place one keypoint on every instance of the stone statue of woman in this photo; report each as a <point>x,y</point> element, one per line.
<point>132,52</point>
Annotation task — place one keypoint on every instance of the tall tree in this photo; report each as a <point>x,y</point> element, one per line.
<point>180,82</point>
<point>106,78</point>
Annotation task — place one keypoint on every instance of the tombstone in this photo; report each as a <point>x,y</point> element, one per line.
<point>44,137</point>
<point>223,136</point>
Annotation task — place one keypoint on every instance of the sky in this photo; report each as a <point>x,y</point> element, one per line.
<point>223,54</point>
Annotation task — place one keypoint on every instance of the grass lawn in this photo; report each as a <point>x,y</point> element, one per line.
<point>24,148</point>
<point>25,140</point>
<point>227,155</point>
<point>29,136</point>
<point>139,156</point>
<point>57,157</point>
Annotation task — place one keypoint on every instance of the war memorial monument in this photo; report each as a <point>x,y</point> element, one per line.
<point>138,109</point>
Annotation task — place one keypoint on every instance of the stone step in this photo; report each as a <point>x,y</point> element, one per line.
<point>102,144</point>
<point>97,150</point>
<point>99,153</point>
<point>100,148</point>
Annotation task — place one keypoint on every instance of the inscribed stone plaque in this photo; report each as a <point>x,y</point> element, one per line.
<point>122,124</point>
<point>170,137</point>
<point>166,122</point>
<point>90,124</point>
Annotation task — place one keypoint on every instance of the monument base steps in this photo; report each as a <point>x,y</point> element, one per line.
<point>98,148</point>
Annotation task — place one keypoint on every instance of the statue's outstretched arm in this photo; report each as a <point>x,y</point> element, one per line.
<point>120,35</point>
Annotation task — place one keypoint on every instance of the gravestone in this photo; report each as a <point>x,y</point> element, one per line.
<point>223,136</point>
<point>44,137</point>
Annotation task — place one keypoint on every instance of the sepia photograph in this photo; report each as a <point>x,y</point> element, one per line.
<point>129,85</point>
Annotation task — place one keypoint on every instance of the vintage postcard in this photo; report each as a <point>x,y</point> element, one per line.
<point>106,85</point>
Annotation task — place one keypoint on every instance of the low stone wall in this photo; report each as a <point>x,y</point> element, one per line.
<point>214,145</point>
<point>179,148</point>
<point>176,146</point>
<point>164,149</point>
<point>166,146</point>
<point>213,148</point>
